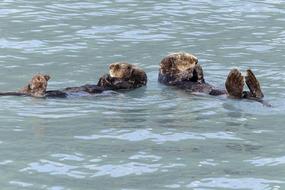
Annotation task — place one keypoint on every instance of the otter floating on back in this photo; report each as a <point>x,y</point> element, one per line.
<point>183,71</point>
<point>121,76</point>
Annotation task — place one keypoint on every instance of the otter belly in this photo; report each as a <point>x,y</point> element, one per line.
<point>74,91</point>
<point>192,86</point>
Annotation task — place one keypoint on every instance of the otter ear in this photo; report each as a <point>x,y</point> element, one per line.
<point>196,60</point>
<point>111,66</point>
<point>47,77</point>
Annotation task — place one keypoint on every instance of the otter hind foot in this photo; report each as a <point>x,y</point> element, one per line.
<point>235,83</point>
<point>253,85</point>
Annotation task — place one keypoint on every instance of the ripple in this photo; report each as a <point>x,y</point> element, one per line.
<point>25,45</point>
<point>142,35</point>
<point>53,168</point>
<point>63,157</point>
<point>144,134</point>
<point>208,162</point>
<point>96,170</point>
<point>103,30</point>
<point>238,183</point>
<point>6,12</point>
<point>20,184</point>
<point>6,162</point>
<point>132,168</point>
<point>267,161</point>
<point>143,156</point>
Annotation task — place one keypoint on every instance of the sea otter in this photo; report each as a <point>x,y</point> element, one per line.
<point>36,87</point>
<point>190,77</point>
<point>178,67</point>
<point>121,75</point>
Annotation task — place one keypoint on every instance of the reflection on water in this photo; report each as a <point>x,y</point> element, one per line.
<point>156,137</point>
<point>267,161</point>
<point>141,135</point>
<point>241,183</point>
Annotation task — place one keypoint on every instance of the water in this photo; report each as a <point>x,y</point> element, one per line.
<point>154,137</point>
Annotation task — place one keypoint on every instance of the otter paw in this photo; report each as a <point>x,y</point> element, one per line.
<point>253,84</point>
<point>198,75</point>
<point>235,83</point>
<point>184,75</point>
<point>105,81</point>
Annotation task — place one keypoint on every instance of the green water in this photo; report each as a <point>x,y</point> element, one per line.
<point>155,137</point>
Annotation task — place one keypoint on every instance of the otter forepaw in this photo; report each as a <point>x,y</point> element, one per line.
<point>235,83</point>
<point>198,74</point>
<point>253,84</point>
<point>185,75</point>
<point>105,81</point>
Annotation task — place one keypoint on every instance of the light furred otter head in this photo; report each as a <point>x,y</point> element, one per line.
<point>178,62</point>
<point>123,75</point>
<point>37,86</point>
<point>121,70</point>
<point>39,82</point>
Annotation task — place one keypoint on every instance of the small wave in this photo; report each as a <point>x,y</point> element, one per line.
<point>238,183</point>
<point>143,134</point>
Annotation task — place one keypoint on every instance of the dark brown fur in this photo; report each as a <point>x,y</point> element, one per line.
<point>192,79</point>
<point>123,75</point>
<point>37,86</point>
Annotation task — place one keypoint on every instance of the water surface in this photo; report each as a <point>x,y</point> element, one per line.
<point>155,137</point>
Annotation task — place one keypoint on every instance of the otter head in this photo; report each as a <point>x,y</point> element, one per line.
<point>39,82</point>
<point>37,86</point>
<point>178,62</point>
<point>120,70</point>
<point>185,61</point>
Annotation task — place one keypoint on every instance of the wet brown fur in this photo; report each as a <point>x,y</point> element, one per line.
<point>37,86</point>
<point>181,70</point>
<point>235,83</point>
<point>128,72</point>
<point>176,63</point>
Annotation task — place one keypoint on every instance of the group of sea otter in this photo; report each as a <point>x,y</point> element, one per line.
<point>177,69</point>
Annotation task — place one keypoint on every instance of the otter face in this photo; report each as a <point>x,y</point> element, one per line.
<point>39,82</point>
<point>37,86</point>
<point>185,61</point>
<point>177,62</point>
<point>120,70</point>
